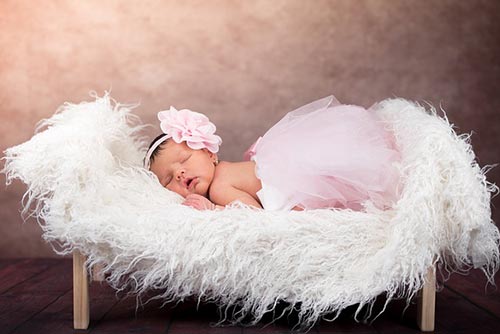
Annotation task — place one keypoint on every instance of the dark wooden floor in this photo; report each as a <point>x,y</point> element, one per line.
<point>36,297</point>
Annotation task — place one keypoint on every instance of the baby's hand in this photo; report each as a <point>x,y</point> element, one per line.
<point>198,202</point>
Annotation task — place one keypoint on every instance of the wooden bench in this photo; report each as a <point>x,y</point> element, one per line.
<point>81,306</point>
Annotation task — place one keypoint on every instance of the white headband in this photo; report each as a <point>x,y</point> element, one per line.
<point>147,160</point>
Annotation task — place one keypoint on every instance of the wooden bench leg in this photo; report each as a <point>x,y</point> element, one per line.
<point>427,302</point>
<point>81,305</point>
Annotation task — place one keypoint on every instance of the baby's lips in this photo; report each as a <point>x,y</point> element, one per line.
<point>187,182</point>
<point>193,183</point>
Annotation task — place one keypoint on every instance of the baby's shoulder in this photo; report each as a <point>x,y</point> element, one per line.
<point>221,182</point>
<point>223,175</point>
<point>233,172</point>
<point>227,174</point>
<point>237,175</point>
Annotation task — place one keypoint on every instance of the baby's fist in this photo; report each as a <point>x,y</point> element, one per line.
<point>198,202</point>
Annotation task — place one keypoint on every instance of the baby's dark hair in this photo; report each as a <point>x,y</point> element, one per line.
<point>156,150</point>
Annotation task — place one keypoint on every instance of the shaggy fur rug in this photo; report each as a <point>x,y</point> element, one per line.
<point>88,190</point>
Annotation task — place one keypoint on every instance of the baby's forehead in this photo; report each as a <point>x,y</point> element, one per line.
<point>172,150</point>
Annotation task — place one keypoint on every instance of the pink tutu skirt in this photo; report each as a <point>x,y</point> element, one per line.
<point>327,155</point>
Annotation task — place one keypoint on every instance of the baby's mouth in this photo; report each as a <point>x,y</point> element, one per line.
<point>190,182</point>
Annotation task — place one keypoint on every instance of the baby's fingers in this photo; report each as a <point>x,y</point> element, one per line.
<point>189,202</point>
<point>198,202</point>
<point>194,197</point>
<point>193,203</point>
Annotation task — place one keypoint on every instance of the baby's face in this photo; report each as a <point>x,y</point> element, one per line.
<point>184,170</point>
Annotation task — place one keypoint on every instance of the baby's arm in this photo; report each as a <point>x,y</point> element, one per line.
<point>220,196</point>
<point>224,194</point>
<point>202,203</point>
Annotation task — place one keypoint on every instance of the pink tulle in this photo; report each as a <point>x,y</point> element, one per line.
<point>326,154</point>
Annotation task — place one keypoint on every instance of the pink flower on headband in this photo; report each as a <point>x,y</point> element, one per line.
<point>189,126</point>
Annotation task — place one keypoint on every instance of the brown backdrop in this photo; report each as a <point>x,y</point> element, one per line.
<point>243,63</point>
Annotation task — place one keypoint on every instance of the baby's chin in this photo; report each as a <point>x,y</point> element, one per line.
<point>204,194</point>
<point>201,190</point>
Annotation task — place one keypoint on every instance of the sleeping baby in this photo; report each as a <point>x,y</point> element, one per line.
<point>322,155</point>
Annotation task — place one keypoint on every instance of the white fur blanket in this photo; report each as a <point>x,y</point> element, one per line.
<point>89,192</point>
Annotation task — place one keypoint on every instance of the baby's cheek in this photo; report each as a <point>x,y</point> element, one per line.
<point>176,189</point>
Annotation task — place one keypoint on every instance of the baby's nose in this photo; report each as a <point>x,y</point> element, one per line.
<point>179,174</point>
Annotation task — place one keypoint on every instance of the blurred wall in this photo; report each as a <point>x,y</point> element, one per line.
<point>244,64</point>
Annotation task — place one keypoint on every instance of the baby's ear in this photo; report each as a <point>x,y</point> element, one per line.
<point>214,157</point>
